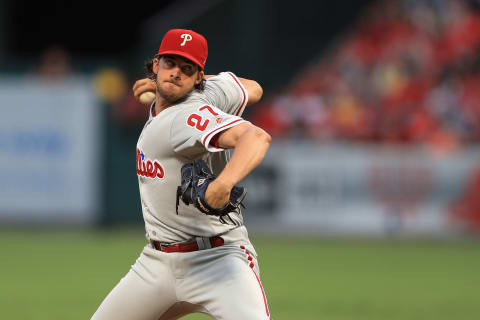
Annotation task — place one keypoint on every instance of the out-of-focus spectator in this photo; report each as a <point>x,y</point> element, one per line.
<point>112,87</point>
<point>409,72</point>
<point>54,64</point>
<point>110,84</point>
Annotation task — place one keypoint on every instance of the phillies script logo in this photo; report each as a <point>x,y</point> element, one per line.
<point>148,168</point>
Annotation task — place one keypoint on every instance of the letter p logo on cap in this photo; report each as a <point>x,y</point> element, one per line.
<point>186,37</point>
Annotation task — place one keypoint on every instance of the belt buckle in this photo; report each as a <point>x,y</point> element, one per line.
<point>170,248</point>
<point>158,245</point>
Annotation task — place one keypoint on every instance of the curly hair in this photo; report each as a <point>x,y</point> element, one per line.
<point>151,75</point>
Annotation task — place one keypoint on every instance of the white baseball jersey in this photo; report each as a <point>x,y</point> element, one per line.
<point>223,281</point>
<point>180,134</point>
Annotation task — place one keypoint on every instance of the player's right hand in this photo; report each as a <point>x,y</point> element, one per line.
<point>143,85</point>
<point>217,194</point>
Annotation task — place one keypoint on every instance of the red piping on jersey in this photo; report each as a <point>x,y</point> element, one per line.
<point>243,91</point>
<point>206,137</point>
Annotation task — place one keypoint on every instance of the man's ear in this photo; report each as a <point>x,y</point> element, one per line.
<point>156,64</point>
<point>201,74</point>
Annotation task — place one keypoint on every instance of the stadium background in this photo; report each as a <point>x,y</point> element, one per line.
<point>366,207</point>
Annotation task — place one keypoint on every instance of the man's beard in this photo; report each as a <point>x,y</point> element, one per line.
<point>170,97</point>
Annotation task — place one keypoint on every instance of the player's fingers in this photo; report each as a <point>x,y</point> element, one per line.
<point>140,82</point>
<point>143,85</point>
<point>138,85</point>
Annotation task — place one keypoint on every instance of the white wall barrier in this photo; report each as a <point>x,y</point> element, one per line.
<point>50,155</point>
<point>50,160</point>
<point>352,189</point>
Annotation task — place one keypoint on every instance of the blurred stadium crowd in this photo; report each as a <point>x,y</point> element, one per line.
<point>407,72</point>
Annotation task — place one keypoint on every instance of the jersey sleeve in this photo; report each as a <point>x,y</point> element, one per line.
<point>194,128</point>
<point>226,92</point>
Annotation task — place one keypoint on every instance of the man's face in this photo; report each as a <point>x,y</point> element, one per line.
<point>176,76</point>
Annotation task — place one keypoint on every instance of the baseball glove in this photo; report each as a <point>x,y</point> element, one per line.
<point>196,177</point>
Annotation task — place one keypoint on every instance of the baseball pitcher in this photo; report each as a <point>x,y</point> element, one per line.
<point>198,257</point>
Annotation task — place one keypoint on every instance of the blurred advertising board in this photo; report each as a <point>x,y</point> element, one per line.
<point>50,141</point>
<point>360,189</point>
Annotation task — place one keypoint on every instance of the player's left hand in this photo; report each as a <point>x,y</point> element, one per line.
<point>200,188</point>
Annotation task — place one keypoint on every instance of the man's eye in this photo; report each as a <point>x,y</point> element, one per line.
<point>187,69</point>
<point>169,63</point>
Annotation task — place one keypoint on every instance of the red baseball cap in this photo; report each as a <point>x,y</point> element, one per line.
<point>185,43</point>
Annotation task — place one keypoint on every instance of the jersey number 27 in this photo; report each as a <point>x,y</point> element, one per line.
<point>195,120</point>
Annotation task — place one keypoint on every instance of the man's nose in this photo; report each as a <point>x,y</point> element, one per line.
<point>176,72</point>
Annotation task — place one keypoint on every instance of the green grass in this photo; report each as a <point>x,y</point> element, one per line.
<point>65,275</point>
